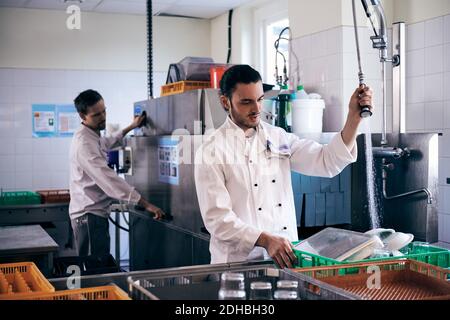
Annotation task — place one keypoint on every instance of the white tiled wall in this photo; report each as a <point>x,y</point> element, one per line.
<point>329,67</point>
<point>427,73</point>
<point>320,59</point>
<point>444,188</point>
<point>428,97</point>
<point>28,163</point>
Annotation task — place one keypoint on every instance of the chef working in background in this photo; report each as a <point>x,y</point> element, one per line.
<point>243,172</point>
<point>93,185</point>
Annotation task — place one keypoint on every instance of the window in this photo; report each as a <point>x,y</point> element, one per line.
<point>270,20</point>
<point>273,58</point>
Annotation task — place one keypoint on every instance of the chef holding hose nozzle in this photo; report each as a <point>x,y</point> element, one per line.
<point>243,172</point>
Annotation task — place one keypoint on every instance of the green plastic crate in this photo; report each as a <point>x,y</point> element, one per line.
<point>429,254</point>
<point>11,198</point>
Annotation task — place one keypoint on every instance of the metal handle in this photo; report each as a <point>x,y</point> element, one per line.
<point>365,112</point>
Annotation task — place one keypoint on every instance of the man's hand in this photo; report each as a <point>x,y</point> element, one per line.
<point>158,214</point>
<point>362,96</point>
<point>138,120</point>
<point>279,249</point>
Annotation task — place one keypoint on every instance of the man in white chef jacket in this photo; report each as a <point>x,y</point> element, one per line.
<point>243,172</point>
<point>93,184</point>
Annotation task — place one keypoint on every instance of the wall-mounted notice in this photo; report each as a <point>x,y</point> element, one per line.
<point>68,120</point>
<point>137,112</point>
<point>44,120</point>
<point>168,161</point>
<point>52,120</point>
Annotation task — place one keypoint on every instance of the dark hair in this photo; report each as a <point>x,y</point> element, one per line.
<point>241,73</point>
<point>86,99</point>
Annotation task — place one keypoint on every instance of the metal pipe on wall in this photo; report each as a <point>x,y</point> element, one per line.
<point>398,78</point>
<point>149,50</point>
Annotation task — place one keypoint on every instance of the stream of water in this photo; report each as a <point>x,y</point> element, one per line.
<point>370,172</point>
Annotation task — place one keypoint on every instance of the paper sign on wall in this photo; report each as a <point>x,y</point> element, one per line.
<point>51,120</point>
<point>44,121</point>
<point>68,120</point>
<point>168,161</point>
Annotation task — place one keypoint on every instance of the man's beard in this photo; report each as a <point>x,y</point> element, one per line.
<point>102,126</point>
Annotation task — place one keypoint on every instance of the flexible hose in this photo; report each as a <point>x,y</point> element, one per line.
<point>365,110</point>
<point>358,52</point>
<point>276,45</point>
<point>149,49</point>
<point>230,20</point>
<point>117,225</point>
<point>123,215</point>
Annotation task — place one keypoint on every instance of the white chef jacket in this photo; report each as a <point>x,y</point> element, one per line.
<point>93,184</point>
<point>244,185</point>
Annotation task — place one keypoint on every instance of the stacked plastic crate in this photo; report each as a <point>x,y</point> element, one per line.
<point>24,281</point>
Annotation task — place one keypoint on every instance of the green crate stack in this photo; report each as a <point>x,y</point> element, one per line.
<point>10,198</point>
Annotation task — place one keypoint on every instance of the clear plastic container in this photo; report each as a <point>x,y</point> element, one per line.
<point>232,286</point>
<point>260,290</point>
<point>285,295</point>
<point>287,284</point>
<point>340,244</point>
<point>286,290</point>
<point>232,294</point>
<point>301,93</point>
<point>380,253</point>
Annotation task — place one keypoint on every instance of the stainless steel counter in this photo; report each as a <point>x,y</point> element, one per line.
<point>34,213</point>
<point>53,217</point>
<point>27,243</point>
<point>202,282</point>
<point>120,278</point>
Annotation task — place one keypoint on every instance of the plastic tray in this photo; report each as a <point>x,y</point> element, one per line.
<point>338,244</point>
<point>96,293</point>
<point>415,251</point>
<point>54,196</point>
<point>20,279</point>
<point>183,86</point>
<point>19,198</point>
<point>399,280</point>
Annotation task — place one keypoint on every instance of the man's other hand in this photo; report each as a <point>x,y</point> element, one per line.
<point>279,249</point>
<point>138,121</point>
<point>158,214</point>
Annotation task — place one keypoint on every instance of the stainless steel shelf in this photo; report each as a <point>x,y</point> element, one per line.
<point>36,213</point>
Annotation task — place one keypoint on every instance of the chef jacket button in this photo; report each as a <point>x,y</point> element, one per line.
<point>259,209</point>
<point>279,204</point>
<point>284,228</point>
<point>251,161</point>
<point>256,184</point>
<point>273,180</point>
